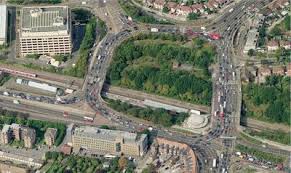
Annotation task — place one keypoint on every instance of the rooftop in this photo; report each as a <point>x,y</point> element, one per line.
<point>45,19</point>
<point>109,135</point>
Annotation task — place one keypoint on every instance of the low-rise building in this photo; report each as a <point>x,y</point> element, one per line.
<point>50,136</point>
<point>278,70</point>
<point>263,72</point>
<point>159,4</point>
<point>183,10</point>
<point>272,45</point>
<point>285,44</point>
<point>172,6</point>
<point>110,141</point>
<point>251,42</point>
<point>288,70</point>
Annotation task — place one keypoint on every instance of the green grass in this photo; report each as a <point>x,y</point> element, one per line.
<point>260,154</point>
<point>277,136</point>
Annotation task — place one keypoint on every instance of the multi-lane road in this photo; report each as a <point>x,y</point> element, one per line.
<point>226,88</point>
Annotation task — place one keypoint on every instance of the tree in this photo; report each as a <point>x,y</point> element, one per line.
<point>251,52</point>
<point>166,9</point>
<point>122,162</point>
<point>192,16</point>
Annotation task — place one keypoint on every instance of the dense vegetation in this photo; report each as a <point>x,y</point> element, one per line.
<point>193,16</point>
<point>281,28</point>
<point>269,101</point>
<point>102,29</point>
<point>34,1</point>
<point>4,79</point>
<point>9,117</point>
<point>145,63</point>
<point>79,70</point>
<point>157,116</point>
<point>81,15</point>
<point>277,136</point>
<point>138,14</point>
<point>59,163</point>
<point>260,154</point>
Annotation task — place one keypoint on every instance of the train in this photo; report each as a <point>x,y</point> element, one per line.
<point>18,73</point>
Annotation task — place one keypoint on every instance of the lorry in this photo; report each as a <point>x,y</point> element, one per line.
<point>154,30</point>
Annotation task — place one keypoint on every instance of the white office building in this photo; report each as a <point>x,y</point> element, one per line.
<point>3,24</point>
<point>45,30</point>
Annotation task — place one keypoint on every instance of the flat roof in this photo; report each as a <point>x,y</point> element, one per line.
<point>105,134</point>
<point>3,21</point>
<point>45,18</point>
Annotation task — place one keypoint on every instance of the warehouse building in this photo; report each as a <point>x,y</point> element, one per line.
<point>38,85</point>
<point>109,141</point>
<point>3,24</point>
<point>45,30</point>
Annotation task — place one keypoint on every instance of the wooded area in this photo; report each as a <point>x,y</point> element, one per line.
<point>146,63</point>
<point>157,116</point>
<point>269,101</point>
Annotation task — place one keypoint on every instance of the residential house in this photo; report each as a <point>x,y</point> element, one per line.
<point>285,44</point>
<point>198,8</point>
<point>184,10</point>
<point>213,3</point>
<point>149,3</point>
<point>288,70</point>
<point>278,70</point>
<point>272,45</point>
<point>159,4</point>
<point>263,72</point>
<point>172,6</point>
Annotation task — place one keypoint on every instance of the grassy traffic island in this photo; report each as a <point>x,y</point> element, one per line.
<point>163,64</point>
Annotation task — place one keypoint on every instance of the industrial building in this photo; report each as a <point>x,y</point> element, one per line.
<point>50,136</point>
<point>109,141</point>
<point>3,24</point>
<point>45,30</point>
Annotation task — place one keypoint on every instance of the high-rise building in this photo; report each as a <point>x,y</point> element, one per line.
<point>45,30</point>
<point>16,131</point>
<point>50,136</point>
<point>3,24</point>
<point>6,134</point>
<point>28,135</point>
<point>110,141</point>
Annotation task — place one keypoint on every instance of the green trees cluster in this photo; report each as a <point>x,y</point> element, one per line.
<point>76,164</point>
<point>79,70</point>
<point>281,28</point>
<point>72,163</point>
<point>260,154</point>
<point>158,76</point>
<point>138,14</point>
<point>275,94</point>
<point>9,117</point>
<point>193,16</point>
<point>157,116</point>
<point>102,28</point>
